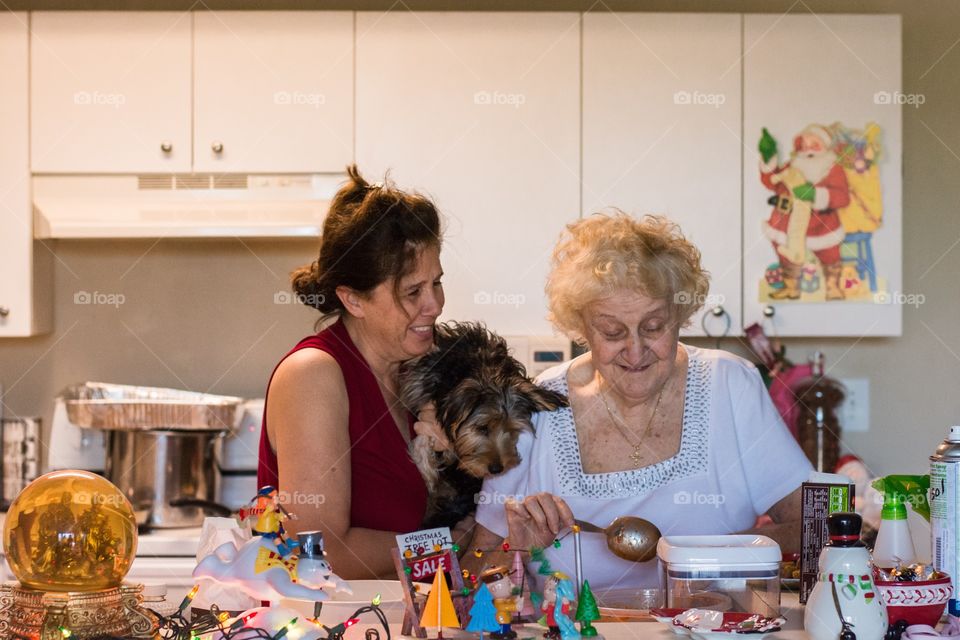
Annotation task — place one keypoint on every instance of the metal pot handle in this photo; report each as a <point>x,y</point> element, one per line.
<point>208,506</point>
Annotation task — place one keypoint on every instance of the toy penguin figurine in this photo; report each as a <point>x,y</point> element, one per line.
<point>505,600</point>
<point>556,607</point>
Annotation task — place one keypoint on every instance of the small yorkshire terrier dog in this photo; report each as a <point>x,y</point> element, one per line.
<point>484,400</point>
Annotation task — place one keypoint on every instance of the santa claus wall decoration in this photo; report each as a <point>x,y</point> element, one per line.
<point>826,206</point>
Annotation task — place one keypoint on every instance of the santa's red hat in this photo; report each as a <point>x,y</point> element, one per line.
<point>816,130</point>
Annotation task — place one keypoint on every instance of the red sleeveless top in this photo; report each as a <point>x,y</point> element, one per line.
<point>387,491</point>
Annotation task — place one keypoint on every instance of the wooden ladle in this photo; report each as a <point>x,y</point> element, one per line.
<point>628,537</point>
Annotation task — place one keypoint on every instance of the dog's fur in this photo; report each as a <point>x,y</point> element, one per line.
<point>484,400</point>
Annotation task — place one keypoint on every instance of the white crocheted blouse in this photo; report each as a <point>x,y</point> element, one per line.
<point>736,460</point>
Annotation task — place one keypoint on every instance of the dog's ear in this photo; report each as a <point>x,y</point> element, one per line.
<point>541,399</point>
<point>458,405</point>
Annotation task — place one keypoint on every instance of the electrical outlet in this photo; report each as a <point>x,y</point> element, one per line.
<point>855,410</point>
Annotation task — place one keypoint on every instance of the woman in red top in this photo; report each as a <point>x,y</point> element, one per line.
<point>335,434</point>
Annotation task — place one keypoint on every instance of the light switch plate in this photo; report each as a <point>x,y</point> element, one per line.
<point>855,410</point>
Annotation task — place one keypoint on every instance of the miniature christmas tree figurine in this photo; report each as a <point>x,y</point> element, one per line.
<point>438,611</point>
<point>587,611</point>
<point>483,615</point>
<point>519,575</point>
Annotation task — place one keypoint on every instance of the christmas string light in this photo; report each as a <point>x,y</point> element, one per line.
<point>176,627</point>
<point>188,598</point>
<point>535,552</point>
<point>285,629</point>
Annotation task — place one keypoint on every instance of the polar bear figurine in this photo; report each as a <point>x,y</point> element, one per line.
<point>260,570</point>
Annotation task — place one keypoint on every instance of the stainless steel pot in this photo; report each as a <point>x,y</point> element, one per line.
<point>169,476</point>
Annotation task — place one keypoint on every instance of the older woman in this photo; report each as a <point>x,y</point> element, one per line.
<point>335,434</point>
<point>684,437</point>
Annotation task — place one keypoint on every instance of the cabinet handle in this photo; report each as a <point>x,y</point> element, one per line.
<point>217,147</point>
<point>166,146</point>
<point>4,312</point>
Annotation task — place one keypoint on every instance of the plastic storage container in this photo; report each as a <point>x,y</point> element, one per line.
<point>723,573</point>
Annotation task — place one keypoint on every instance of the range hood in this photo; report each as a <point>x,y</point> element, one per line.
<point>182,205</point>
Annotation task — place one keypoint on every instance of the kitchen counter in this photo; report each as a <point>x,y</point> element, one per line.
<point>790,609</point>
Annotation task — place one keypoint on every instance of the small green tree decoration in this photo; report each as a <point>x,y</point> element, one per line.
<point>587,611</point>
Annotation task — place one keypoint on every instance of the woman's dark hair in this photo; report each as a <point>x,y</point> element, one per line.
<point>373,232</point>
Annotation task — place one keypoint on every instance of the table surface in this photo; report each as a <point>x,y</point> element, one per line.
<point>789,608</point>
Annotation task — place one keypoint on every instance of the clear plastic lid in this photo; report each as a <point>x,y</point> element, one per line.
<point>720,550</point>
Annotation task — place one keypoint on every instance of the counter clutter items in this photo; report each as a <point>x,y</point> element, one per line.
<point>71,536</point>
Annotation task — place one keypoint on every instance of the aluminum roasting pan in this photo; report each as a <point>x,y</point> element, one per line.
<point>100,405</point>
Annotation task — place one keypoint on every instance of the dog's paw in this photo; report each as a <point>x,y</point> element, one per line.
<point>423,455</point>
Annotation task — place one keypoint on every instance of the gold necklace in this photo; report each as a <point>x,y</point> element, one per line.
<point>624,429</point>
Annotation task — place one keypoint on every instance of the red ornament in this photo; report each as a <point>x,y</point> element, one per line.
<point>506,546</point>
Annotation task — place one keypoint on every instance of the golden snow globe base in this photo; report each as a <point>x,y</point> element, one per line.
<point>29,614</point>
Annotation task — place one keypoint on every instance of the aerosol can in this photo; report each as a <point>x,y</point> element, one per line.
<point>945,510</point>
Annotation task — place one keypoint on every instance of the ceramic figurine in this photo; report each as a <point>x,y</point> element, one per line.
<point>505,600</point>
<point>557,605</point>
<point>260,570</point>
<point>845,601</point>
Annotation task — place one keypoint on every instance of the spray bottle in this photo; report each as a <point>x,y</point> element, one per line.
<point>944,514</point>
<point>894,544</point>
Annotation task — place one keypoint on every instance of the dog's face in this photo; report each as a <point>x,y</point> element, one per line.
<point>484,419</point>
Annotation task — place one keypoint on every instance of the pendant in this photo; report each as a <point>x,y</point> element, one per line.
<point>636,456</point>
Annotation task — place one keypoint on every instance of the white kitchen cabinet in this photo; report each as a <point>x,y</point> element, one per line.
<point>482,112</point>
<point>273,91</point>
<point>25,266</point>
<point>822,69</point>
<point>661,135</point>
<point>110,91</point>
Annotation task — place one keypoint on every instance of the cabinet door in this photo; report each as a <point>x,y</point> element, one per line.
<point>481,111</point>
<point>273,91</point>
<point>25,284</point>
<point>110,92</point>
<point>821,70</point>
<point>661,122</point>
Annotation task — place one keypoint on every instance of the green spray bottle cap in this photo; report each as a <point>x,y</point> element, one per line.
<point>897,489</point>
<point>893,508</point>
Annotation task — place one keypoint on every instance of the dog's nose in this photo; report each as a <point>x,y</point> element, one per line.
<point>495,467</point>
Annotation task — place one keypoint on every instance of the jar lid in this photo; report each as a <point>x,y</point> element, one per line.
<point>718,550</point>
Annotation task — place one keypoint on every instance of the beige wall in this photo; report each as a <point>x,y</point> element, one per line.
<point>200,315</point>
